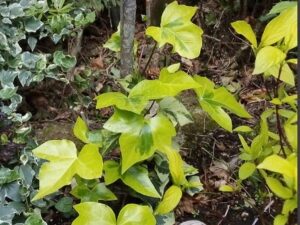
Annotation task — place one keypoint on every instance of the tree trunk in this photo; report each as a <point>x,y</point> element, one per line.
<point>128,16</point>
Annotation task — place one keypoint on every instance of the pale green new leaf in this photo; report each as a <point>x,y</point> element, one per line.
<point>287,75</point>
<point>176,111</point>
<point>137,178</point>
<point>244,28</point>
<point>177,29</point>
<point>246,170</point>
<point>289,206</point>
<point>134,104</point>
<point>281,6</point>
<point>114,42</point>
<point>276,186</point>
<point>170,200</point>
<point>244,129</point>
<point>133,214</point>
<point>277,164</point>
<point>124,122</point>
<point>279,27</point>
<point>213,100</point>
<point>92,213</point>
<point>64,164</point>
<point>112,171</point>
<point>175,165</point>
<point>226,188</point>
<point>168,84</point>
<point>217,114</point>
<point>80,130</point>
<point>266,58</point>
<point>280,220</point>
<point>135,147</point>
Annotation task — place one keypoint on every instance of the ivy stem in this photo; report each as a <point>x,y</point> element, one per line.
<point>149,59</point>
<point>278,121</point>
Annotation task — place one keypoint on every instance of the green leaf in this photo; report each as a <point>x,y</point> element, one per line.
<point>64,205</point>
<point>173,68</point>
<point>7,175</point>
<point>4,42</point>
<point>177,29</point>
<point>168,84</point>
<point>35,219</point>
<point>137,178</point>
<point>213,100</point>
<point>124,122</point>
<point>175,165</point>
<point>114,42</point>
<point>281,6</point>
<point>280,220</point>
<point>32,24</point>
<point>266,58</point>
<point>121,101</point>
<point>246,170</point>
<point>279,27</point>
<point>277,164</point>
<point>136,147</point>
<point>64,164</point>
<point>7,93</point>
<point>291,131</point>
<point>287,75</point>
<point>226,188</point>
<point>170,200</point>
<point>175,110</point>
<point>244,28</point>
<point>289,206</point>
<point>276,186</point>
<point>133,214</point>
<point>112,171</point>
<point>98,192</point>
<point>80,130</point>
<point>66,62</point>
<point>244,129</point>
<point>91,213</point>
<point>194,185</point>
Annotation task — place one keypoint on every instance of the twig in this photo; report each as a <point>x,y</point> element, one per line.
<point>225,214</point>
<point>149,59</point>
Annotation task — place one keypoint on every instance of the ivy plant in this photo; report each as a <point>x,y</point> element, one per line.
<point>273,152</point>
<point>22,25</point>
<point>143,125</point>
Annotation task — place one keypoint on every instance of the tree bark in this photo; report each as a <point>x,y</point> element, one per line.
<point>128,16</point>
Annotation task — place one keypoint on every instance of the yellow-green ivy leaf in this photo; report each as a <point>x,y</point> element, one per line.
<point>177,29</point>
<point>244,129</point>
<point>287,75</point>
<point>277,164</point>
<point>279,27</point>
<point>112,171</point>
<point>175,165</point>
<point>289,206</point>
<point>276,186</point>
<point>226,188</point>
<point>173,68</point>
<point>91,213</point>
<point>121,101</point>
<point>280,220</point>
<point>170,200</point>
<point>213,100</point>
<point>80,130</point>
<point>114,42</point>
<point>137,178</point>
<point>246,170</point>
<point>244,28</point>
<point>133,214</point>
<point>266,58</point>
<point>64,164</point>
<point>168,84</point>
